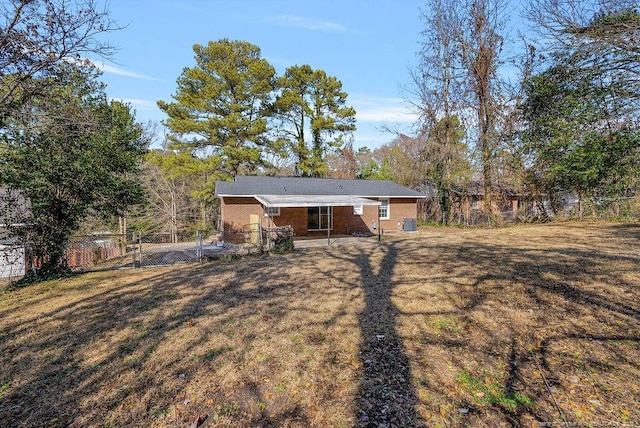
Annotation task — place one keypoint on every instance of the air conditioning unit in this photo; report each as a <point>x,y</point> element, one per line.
<point>409,225</point>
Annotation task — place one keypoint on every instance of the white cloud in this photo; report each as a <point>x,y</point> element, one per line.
<point>121,72</point>
<point>306,23</point>
<point>381,109</point>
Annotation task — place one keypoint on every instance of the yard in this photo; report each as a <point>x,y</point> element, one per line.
<point>525,326</point>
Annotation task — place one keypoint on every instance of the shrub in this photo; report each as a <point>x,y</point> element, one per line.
<point>282,240</point>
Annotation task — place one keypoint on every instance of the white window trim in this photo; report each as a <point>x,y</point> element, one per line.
<point>388,205</point>
<point>330,214</point>
<point>271,211</point>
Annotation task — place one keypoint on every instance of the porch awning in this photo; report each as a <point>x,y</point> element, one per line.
<point>284,201</point>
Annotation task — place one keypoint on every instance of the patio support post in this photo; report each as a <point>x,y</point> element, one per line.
<point>379,225</point>
<point>270,228</point>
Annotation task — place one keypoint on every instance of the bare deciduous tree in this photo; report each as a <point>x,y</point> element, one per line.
<point>441,88</point>
<point>602,38</point>
<point>481,45</point>
<point>168,193</point>
<point>563,23</point>
<point>36,35</point>
<point>438,86</point>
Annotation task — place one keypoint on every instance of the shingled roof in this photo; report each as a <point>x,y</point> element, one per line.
<point>302,186</point>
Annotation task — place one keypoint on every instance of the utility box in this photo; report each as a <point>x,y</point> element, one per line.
<point>409,225</point>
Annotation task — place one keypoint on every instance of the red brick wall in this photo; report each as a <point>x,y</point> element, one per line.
<point>399,208</point>
<point>294,217</point>
<point>237,211</point>
<point>345,221</point>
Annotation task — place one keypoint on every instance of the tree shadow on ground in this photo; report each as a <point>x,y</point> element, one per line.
<point>530,334</point>
<point>386,396</point>
<point>96,351</point>
<point>455,330</point>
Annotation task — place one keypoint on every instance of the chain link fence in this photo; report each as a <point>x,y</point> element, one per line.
<point>164,249</point>
<point>113,251</point>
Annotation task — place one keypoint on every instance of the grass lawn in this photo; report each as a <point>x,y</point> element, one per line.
<point>519,326</point>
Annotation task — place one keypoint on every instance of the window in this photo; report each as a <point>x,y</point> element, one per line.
<point>319,218</point>
<point>383,209</point>
<point>357,210</point>
<point>271,211</point>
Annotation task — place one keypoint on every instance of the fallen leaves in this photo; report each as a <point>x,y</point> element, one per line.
<point>201,419</point>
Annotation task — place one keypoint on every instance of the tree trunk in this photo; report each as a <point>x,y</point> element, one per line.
<point>122,228</point>
<point>174,219</point>
<point>580,207</point>
<point>481,50</point>
<point>203,213</point>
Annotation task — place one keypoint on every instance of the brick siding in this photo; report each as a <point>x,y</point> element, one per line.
<point>236,214</point>
<point>399,209</point>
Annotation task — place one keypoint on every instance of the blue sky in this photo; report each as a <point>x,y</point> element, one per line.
<point>367,44</point>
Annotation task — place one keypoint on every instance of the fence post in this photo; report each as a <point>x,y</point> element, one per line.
<point>133,253</point>
<point>122,243</point>
<point>199,245</point>
<point>140,246</point>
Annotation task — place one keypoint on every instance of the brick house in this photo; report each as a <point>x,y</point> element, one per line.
<point>314,206</point>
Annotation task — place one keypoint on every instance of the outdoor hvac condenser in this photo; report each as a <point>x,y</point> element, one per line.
<point>409,225</point>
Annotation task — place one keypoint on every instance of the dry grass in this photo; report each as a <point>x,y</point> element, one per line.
<point>446,327</point>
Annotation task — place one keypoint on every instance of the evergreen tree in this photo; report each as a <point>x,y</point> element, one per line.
<point>577,137</point>
<point>221,107</point>
<point>311,102</point>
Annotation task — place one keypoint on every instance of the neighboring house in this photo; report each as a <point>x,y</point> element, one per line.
<point>506,201</point>
<point>315,206</point>
<point>14,208</point>
<point>468,203</point>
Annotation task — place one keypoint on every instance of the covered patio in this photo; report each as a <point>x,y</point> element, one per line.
<point>325,217</point>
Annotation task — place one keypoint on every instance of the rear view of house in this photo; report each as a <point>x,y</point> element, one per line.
<point>315,206</point>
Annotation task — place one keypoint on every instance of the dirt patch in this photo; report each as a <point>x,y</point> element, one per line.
<point>522,326</point>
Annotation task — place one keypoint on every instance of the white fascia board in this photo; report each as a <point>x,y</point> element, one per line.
<point>399,197</point>
<point>290,201</point>
<point>314,196</point>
